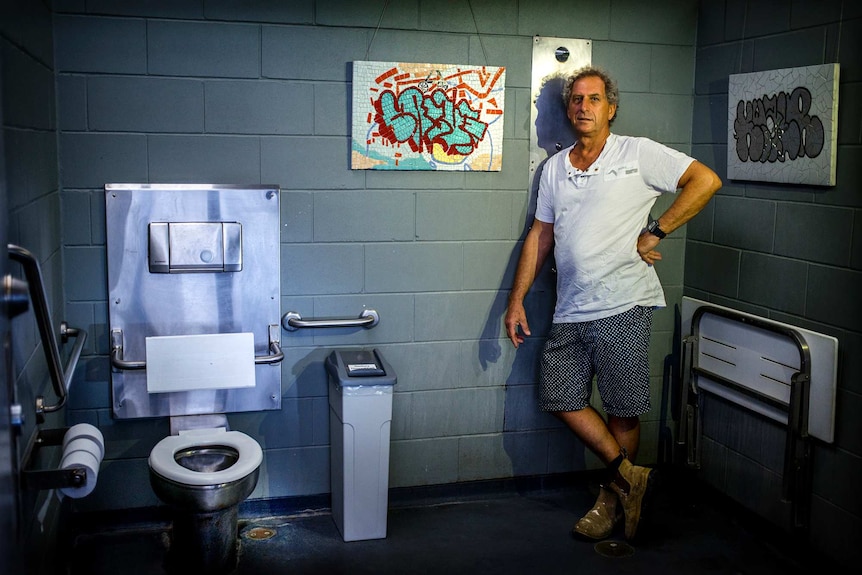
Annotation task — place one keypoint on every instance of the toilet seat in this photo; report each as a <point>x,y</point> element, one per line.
<point>162,456</point>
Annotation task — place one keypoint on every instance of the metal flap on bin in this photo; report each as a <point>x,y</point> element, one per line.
<point>362,363</point>
<point>359,367</point>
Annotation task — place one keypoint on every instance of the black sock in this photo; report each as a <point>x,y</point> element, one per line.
<point>615,464</point>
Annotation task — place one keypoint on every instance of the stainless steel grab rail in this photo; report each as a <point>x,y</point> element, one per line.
<point>61,377</point>
<point>117,361</point>
<point>292,321</point>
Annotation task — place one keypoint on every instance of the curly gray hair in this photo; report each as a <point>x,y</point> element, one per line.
<point>612,93</point>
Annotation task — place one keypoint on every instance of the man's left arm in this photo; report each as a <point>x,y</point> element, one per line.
<point>697,186</point>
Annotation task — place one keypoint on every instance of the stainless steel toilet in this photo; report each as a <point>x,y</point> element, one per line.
<point>204,474</point>
<point>194,301</point>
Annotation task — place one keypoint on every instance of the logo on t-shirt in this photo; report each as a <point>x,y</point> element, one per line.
<point>622,172</point>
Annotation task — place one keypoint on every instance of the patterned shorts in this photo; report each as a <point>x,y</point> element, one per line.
<point>613,349</point>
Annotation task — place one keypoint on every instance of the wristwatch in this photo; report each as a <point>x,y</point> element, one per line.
<point>655,230</point>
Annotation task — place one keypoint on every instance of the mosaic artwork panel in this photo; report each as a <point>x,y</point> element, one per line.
<point>783,125</point>
<point>409,116</point>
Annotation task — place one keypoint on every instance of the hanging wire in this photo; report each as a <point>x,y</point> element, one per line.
<point>472,14</point>
<point>379,20</point>
<point>742,42</point>
<point>840,26</point>
<point>476,26</point>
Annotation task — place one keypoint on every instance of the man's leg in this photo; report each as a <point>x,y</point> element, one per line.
<point>573,354</point>
<point>622,378</point>
<point>592,430</point>
<point>598,523</point>
<point>631,483</point>
<point>627,432</point>
<point>604,439</point>
<point>613,442</point>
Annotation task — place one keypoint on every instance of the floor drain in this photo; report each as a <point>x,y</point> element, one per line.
<point>614,549</point>
<point>260,533</point>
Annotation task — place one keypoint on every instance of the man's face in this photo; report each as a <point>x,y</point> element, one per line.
<point>588,109</point>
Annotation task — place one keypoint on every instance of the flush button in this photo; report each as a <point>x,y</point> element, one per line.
<point>196,246</point>
<point>177,247</point>
<point>159,248</point>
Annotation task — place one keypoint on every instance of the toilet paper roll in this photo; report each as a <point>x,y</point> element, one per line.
<point>85,443</point>
<point>84,430</point>
<point>81,458</point>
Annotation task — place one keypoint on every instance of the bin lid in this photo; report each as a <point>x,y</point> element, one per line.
<point>359,367</point>
<point>362,363</point>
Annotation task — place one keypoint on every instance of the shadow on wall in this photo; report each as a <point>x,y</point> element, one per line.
<point>553,128</point>
<point>527,431</point>
<point>553,133</point>
<point>291,435</point>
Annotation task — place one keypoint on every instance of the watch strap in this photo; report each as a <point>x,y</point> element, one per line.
<point>655,230</point>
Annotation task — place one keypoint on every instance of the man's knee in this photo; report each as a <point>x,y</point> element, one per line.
<point>623,424</point>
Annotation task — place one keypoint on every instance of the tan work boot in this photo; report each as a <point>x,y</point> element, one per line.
<point>599,521</point>
<point>632,485</point>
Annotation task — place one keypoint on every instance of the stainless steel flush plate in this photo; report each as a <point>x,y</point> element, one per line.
<point>182,247</point>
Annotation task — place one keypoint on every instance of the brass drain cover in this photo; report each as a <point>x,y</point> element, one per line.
<point>260,533</point>
<point>612,548</point>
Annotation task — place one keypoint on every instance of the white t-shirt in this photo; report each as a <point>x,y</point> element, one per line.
<point>597,216</point>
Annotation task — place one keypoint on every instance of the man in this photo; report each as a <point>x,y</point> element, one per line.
<point>593,210</point>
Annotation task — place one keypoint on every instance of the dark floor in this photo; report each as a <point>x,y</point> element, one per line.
<point>501,528</point>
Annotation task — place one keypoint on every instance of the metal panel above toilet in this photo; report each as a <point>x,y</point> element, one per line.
<point>186,260</point>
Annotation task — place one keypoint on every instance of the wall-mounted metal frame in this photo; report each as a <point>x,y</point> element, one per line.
<point>550,130</point>
<point>196,292</point>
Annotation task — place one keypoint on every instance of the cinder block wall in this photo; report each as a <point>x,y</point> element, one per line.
<point>32,199</point>
<point>791,253</point>
<point>29,217</point>
<point>226,92</point>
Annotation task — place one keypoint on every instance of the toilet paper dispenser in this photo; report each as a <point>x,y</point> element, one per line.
<point>72,478</point>
<point>76,475</point>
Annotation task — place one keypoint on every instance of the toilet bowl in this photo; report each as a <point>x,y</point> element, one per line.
<point>204,474</point>
<point>205,458</point>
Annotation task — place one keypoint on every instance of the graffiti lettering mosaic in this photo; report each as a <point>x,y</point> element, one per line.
<point>410,116</point>
<point>782,125</point>
<point>777,128</point>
